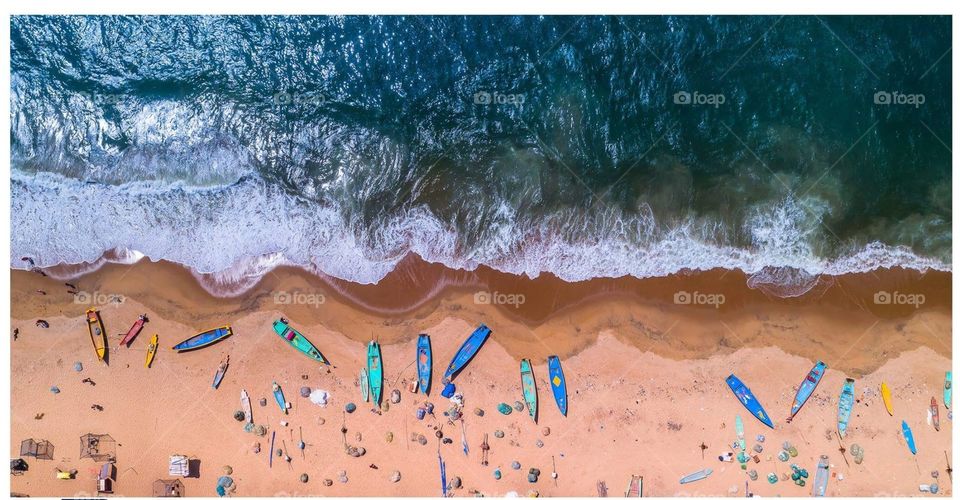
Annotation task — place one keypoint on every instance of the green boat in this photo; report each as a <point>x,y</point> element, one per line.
<point>375,371</point>
<point>296,339</point>
<point>529,387</point>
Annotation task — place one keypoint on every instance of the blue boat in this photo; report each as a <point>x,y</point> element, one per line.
<point>558,383</point>
<point>424,362</point>
<point>807,387</point>
<point>908,436</point>
<point>845,406</point>
<point>204,339</point>
<point>278,395</point>
<point>221,371</point>
<point>467,351</point>
<point>748,400</point>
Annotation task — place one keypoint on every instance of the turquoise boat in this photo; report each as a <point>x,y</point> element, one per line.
<point>203,339</point>
<point>748,400</point>
<point>375,371</point>
<point>807,387</point>
<point>424,362</point>
<point>364,385</point>
<point>278,395</point>
<point>529,387</point>
<point>696,476</point>
<point>466,352</point>
<point>845,406</point>
<point>948,390</point>
<point>296,339</point>
<point>221,371</point>
<point>820,479</point>
<point>558,383</point>
<point>908,437</point>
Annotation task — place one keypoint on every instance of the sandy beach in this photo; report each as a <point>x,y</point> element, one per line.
<point>645,377</point>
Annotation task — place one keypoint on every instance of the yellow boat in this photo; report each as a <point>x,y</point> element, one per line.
<point>151,350</point>
<point>887,398</point>
<point>97,335</point>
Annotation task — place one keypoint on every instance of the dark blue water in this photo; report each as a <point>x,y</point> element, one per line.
<point>580,146</point>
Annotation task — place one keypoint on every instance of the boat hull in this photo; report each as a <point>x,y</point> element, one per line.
<point>845,407</point>
<point>887,398</point>
<point>134,331</point>
<point>245,405</point>
<point>908,437</point>
<point>424,362</point>
<point>948,390</point>
<point>747,399</point>
<point>151,350</point>
<point>807,387</point>
<point>278,396</point>
<point>820,479</point>
<point>935,413</point>
<point>297,340</point>
<point>466,352</point>
<point>375,372</point>
<point>97,334</point>
<point>529,385</point>
<point>221,371</point>
<point>558,383</point>
<point>364,385</point>
<point>204,339</point>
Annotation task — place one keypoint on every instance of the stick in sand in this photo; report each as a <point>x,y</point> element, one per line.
<point>843,451</point>
<point>273,438</point>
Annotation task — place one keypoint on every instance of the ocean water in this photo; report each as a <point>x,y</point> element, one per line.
<point>786,147</point>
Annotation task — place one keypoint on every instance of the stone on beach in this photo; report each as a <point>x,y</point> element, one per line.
<point>305,392</point>
<point>478,412</point>
<point>395,477</point>
<point>304,477</point>
<point>498,433</point>
<point>518,405</point>
<point>546,431</point>
<point>328,482</point>
<point>395,396</point>
<point>350,407</point>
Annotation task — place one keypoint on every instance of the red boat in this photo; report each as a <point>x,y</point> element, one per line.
<point>134,330</point>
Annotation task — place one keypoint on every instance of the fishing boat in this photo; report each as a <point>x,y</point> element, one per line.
<point>935,413</point>
<point>738,425</point>
<point>134,330</point>
<point>845,406</point>
<point>558,383</point>
<point>375,371</point>
<point>529,387</point>
<point>245,405</point>
<point>203,339</point>
<point>364,385</point>
<point>908,437</point>
<point>278,395</point>
<point>151,350</point>
<point>887,397</point>
<point>820,479</point>
<point>97,334</point>
<point>466,352</point>
<point>807,387</point>
<point>221,371</point>
<point>635,487</point>
<point>696,476</point>
<point>424,362</point>
<point>748,400</point>
<point>296,339</point>
<point>948,390</point>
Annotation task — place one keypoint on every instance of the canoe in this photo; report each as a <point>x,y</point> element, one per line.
<point>747,399</point>
<point>221,371</point>
<point>738,424</point>
<point>529,387</point>
<point>424,362</point>
<point>908,437</point>
<point>134,330</point>
<point>948,390</point>
<point>935,413</point>
<point>375,371</point>
<point>807,387</point>
<point>696,476</point>
<point>845,406</point>
<point>887,398</point>
<point>97,334</point>
<point>203,339</point>
<point>245,405</point>
<point>558,383</point>
<point>278,395</point>
<point>820,479</point>
<point>152,350</point>
<point>364,385</point>
<point>466,352</point>
<point>635,487</point>
<point>296,339</point>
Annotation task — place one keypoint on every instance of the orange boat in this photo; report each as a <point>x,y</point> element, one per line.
<point>97,334</point>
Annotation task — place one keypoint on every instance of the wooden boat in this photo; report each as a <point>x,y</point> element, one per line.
<point>134,330</point>
<point>278,395</point>
<point>844,407</point>
<point>529,387</point>
<point>424,362</point>
<point>935,413</point>
<point>245,405</point>
<point>97,334</point>
<point>466,352</point>
<point>375,371</point>
<point>152,350</point>
<point>364,384</point>
<point>296,339</point>
<point>908,437</point>
<point>204,339</point>
<point>696,476</point>
<point>635,487</point>
<point>558,383</point>
<point>820,479</point>
<point>807,387</point>
<point>748,400</point>
<point>887,397</point>
<point>221,371</point>
<point>948,390</point>
<point>738,425</point>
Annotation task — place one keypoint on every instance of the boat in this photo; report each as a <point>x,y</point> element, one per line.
<point>738,425</point>
<point>908,437</point>
<point>935,413</point>
<point>221,371</point>
<point>375,371</point>
<point>887,398</point>
<point>748,400</point>
<point>245,405</point>
<point>635,487</point>
<point>203,339</point>
<point>152,350</point>
<point>845,406</point>
<point>364,385</point>
<point>820,479</point>
<point>558,383</point>
<point>948,390</point>
<point>424,362</point>
<point>134,330</point>
<point>97,334</point>
<point>278,395</point>
<point>466,352</point>
<point>807,387</point>
<point>529,387</point>
<point>696,476</point>
<point>296,339</point>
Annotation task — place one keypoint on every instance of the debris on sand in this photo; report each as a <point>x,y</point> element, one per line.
<point>304,477</point>
<point>498,433</point>
<point>546,431</point>
<point>328,482</point>
<point>395,477</point>
<point>395,396</point>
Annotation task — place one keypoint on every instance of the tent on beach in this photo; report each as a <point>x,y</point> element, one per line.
<point>169,488</point>
<point>41,449</point>
<point>99,447</point>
